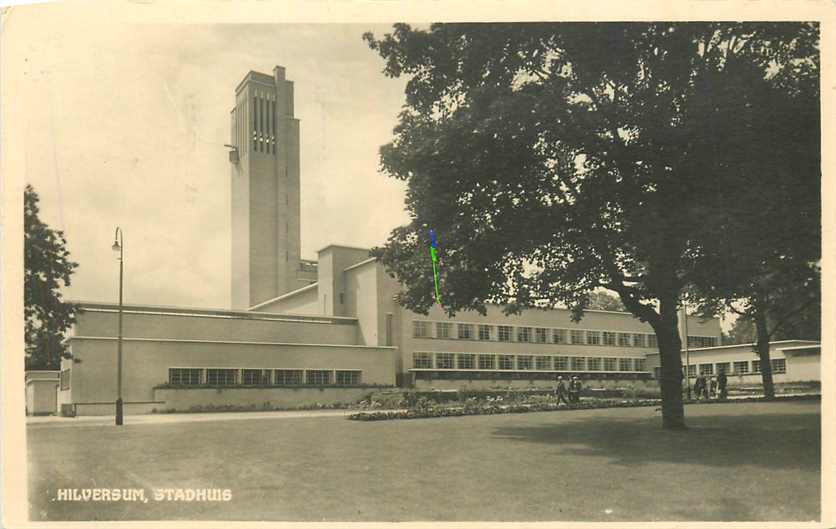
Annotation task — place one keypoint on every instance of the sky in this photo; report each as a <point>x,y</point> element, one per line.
<point>125,126</point>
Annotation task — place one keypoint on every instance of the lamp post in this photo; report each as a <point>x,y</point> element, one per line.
<point>119,246</point>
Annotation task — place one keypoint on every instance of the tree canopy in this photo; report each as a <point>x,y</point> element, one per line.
<point>47,269</point>
<point>552,159</point>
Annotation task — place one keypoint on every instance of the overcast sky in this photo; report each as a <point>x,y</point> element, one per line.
<point>126,125</point>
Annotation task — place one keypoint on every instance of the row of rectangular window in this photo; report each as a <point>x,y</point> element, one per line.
<point>423,360</point>
<point>191,376</point>
<point>506,333</point>
<point>779,365</point>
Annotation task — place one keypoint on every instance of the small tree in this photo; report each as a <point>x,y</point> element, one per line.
<point>556,159</point>
<point>47,268</point>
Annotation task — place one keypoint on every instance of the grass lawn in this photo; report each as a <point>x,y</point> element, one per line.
<point>743,461</point>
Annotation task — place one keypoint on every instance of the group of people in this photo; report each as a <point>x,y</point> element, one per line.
<point>709,386</point>
<point>569,394</point>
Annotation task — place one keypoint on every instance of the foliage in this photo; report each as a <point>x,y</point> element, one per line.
<point>552,160</point>
<point>603,301</point>
<point>47,269</point>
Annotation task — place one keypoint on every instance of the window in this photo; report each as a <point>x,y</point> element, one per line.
<point>442,329</point>
<point>692,370</point>
<point>624,339</point>
<point>610,364</point>
<point>65,378</point>
<point>578,363</point>
<point>779,365</point>
<point>651,341</point>
<point>577,337</point>
<point>540,335</point>
<point>420,329</point>
<point>524,334</point>
<point>639,364</point>
<point>255,376</point>
<point>723,367</point>
<point>176,375</point>
<point>625,364</point>
<point>543,363</point>
<point>221,377</point>
<point>593,364</point>
<point>487,361</point>
<point>561,363</point>
<point>466,361</point>
<point>558,335</point>
<point>465,331</point>
<point>706,369</point>
<point>348,378</point>
<point>609,338</point>
<point>741,368</point>
<point>504,333</point>
<point>288,377</point>
<point>525,362</point>
<point>422,360</point>
<point>317,377</point>
<point>444,360</point>
<point>485,332</point>
<point>702,341</point>
<point>506,361</point>
<point>756,366</point>
<point>638,340</point>
<point>593,337</point>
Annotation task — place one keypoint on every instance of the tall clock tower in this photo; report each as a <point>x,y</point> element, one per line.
<point>265,190</point>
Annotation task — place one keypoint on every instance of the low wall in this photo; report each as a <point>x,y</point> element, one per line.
<point>650,385</point>
<point>190,399</point>
<point>109,408</point>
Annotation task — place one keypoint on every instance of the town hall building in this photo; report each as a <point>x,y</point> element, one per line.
<point>324,330</point>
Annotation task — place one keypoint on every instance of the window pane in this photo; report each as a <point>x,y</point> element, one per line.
<point>544,363</point>
<point>638,340</point>
<point>444,360</point>
<point>558,335</point>
<point>706,369</point>
<point>723,367</point>
<point>288,377</point>
<point>221,377</point>
<point>540,335</point>
<point>442,330</point>
<point>756,366</point>
<point>593,337</point>
<point>524,334</point>
<point>466,361</point>
<point>465,331</point>
<point>317,377</point>
<point>422,360</point>
<point>625,364</point>
<point>609,338</point>
<point>525,362</point>
<point>504,333</point>
<point>506,361</point>
<point>593,364</point>
<point>486,361</point>
<point>651,341</point>
<point>578,337</point>
<point>420,329</point>
<point>348,378</point>
<point>639,364</point>
<point>578,363</point>
<point>253,377</point>
<point>485,332</point>
<point>779,365</point>
<point>624,339</point>
<point>741,368</point>
<point>561,363</point>
<point>610,364</point>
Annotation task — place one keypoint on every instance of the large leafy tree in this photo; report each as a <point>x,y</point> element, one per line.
<point>47,269</point>
<point>556,159</point>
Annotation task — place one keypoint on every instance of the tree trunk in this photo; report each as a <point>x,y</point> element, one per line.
<point>762,347</point>
<point>670,346</point>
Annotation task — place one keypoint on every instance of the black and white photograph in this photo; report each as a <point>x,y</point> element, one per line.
<point>416,267</point>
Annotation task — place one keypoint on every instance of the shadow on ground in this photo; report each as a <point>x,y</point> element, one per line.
<point>771,440</point>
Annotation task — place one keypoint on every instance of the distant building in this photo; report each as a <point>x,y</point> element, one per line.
<point>41,389</point>
<point>791,361</point>
<point>303,332</point>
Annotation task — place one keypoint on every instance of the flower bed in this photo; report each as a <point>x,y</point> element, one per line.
<point>496,407</point>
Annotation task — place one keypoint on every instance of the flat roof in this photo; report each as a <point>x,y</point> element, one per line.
<point>285,295</point>
<point>343,246</point>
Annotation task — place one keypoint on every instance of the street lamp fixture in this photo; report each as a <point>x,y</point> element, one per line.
<point>119,246</point>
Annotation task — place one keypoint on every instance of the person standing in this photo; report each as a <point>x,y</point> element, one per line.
<point>575,390</point>
<point>699,386</point>
<point>722,381</point>
<point>560,391</point>
<point>709,387</point>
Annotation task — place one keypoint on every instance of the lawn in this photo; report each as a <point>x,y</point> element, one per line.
<point>743,461</point>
